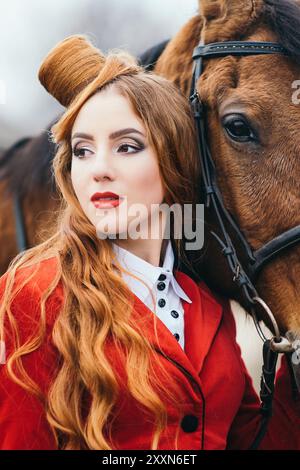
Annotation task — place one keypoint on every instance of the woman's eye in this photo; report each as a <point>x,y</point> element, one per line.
<point>238,129</point>
<point>80,152</point>
<point>128,148</point>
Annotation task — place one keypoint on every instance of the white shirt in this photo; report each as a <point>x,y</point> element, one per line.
<point>167,292</point>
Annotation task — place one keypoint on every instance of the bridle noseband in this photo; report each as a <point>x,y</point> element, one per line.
<point>243,274</point>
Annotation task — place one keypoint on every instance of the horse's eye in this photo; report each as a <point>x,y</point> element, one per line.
<point>238,129</point>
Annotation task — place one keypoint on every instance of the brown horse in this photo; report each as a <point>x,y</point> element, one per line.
<point>253,133</point>
<point>27,195</point>
<point>257,174</point>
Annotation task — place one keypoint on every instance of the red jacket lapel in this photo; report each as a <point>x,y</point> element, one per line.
<point>202,318</point>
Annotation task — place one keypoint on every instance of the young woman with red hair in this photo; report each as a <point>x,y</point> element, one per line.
<point>105,343</point>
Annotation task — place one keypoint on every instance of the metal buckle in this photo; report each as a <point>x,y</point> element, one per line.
<point>278,343</point>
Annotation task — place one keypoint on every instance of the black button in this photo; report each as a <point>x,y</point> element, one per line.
<point>161,286</point>
<point>189,423</point>
<point>162,277</point>
<point>177,336</point>
<point>174,314</point>
<point>161,302</point>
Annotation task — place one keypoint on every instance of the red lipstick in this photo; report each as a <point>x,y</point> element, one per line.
<point>106,200</point>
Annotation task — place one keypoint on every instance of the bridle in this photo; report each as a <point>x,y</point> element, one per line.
<point>243,274</point>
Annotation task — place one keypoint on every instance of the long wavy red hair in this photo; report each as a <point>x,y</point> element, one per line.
<point>96,305</point>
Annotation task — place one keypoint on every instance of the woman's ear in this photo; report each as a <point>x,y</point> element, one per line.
<point>69,67</point>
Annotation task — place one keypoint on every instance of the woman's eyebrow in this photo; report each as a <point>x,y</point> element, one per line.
<point>113,135</point>
<point>82,135</point>
<point>121,132</point>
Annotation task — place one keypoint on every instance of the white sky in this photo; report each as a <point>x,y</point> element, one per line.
<point>30,28</point>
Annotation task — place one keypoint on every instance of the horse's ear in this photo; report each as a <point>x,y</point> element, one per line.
<point>69,67</point>
<point>235,15</point>
<point>210,9</point>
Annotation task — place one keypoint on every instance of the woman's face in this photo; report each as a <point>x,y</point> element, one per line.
<point>110,153</point>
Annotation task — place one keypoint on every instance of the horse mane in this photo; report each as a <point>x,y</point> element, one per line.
<point>149,58</point>
<point>283,17</point>
<point>27,164</point>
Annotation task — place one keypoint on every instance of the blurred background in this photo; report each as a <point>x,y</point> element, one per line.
<point>29,29</point>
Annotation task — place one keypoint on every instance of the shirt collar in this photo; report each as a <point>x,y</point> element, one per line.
<point>148,272</point>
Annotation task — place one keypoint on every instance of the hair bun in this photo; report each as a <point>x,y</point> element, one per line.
<point>69,67</point>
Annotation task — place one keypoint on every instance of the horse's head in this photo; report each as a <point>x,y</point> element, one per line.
<point>254,136</point>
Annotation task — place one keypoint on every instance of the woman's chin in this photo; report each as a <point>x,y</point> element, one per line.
<point>105,231</point>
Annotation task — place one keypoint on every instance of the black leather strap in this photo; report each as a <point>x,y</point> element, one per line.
<point>237,48</point>
<point>22,242</point>
<point>266,391</point>
<point>273,248</point>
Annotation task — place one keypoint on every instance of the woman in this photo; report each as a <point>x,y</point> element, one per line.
<point>108,345</point>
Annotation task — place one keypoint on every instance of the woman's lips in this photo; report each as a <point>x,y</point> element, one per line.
<point>107,204</point>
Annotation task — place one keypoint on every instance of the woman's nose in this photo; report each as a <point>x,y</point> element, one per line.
<point>103,167</point>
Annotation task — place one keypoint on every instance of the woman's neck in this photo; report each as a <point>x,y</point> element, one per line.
<point>152,251</point>
<point>147,248</point>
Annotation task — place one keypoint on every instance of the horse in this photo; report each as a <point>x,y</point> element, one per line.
<point>252,126</point>
<point>28,197</point>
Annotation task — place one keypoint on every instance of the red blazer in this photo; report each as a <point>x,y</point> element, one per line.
<point>220,405</point>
